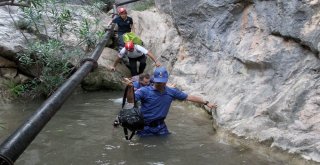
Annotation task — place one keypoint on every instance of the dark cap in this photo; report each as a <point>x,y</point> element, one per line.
<point>160,75</point>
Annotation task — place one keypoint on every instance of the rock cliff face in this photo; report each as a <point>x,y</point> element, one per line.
<point>258,60</point>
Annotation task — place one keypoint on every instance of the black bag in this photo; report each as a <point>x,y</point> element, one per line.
<point>131,119</point>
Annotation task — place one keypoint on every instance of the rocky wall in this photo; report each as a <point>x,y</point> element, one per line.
<point>259,61</point>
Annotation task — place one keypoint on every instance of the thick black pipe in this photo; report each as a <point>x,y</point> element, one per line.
<point>17,142</point>
<point>124,3</point>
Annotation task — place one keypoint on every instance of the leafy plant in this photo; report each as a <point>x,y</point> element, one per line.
<point>89,34</point>
<point>24,25</point>
<point>48,59</point>
<point>15,89</point>
<point>100,34</point>
<point>85,35</point>
<point>62,20</point>
<point>52,61</point>
<point>32,17</point>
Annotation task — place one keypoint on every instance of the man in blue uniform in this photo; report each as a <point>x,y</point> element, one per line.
<point>156,101</point>
<point>125,24</point>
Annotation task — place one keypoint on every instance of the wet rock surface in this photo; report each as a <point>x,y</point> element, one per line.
<point>259,61</point>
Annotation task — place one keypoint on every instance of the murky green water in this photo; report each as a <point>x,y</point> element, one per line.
<point>81,133</point>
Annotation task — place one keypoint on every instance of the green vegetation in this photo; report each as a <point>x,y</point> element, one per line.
<point>23,25</point>
<point>48,58</point>
<point>15,89</point>
<point>143,5</point>
<point>90,38</point>
<point>50,61</point>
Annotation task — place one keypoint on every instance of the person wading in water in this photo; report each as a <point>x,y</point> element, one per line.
<point>156,101</point>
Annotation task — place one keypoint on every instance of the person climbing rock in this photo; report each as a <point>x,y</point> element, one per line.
<point>125,24</point>
<point>135,53</point>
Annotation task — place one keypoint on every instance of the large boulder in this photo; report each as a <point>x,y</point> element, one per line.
<point>11,40</point>
<point>103,77</point>
<point>159,36</point>
<point>9,71</point>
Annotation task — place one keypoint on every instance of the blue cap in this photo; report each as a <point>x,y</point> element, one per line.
<point>160,75</point>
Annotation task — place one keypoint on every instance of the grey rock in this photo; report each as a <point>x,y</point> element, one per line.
<point>259,61</point>
<point>103,77</point>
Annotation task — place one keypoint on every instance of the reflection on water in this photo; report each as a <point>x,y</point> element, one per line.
<point>81,133</point>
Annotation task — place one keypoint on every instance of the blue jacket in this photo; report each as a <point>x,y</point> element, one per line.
<point>155,106</point>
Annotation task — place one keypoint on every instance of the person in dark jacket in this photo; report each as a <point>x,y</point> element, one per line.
<point>125,24</point>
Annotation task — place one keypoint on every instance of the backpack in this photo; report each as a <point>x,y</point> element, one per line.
<point>131,118</point>
<point>130,36</point>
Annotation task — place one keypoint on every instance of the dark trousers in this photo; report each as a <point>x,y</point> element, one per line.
<point>133,65</point>
<point>120,40</point>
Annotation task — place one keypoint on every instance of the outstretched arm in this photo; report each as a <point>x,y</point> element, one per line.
<point>197,99</point>
<point>154,59</point>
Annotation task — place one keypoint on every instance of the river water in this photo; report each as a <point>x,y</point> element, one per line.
<point>81,133</point>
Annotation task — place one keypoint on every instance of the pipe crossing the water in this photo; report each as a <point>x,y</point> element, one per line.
<point>17,142</point>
